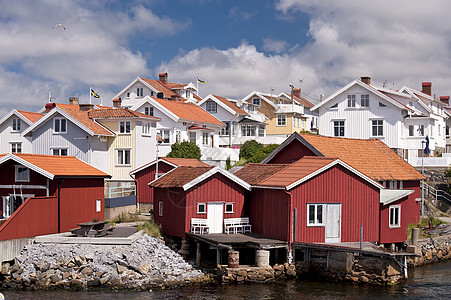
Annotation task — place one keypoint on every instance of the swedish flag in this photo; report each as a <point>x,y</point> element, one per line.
<point>94,94</point>
<point>201,81</point>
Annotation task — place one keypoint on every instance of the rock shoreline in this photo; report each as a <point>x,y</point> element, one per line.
<point>431,250</point>
<point>145,264</point>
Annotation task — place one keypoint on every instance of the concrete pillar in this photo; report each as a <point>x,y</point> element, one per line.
<point>262,258</point>
<point>234,259</point>
<point>415,236</point>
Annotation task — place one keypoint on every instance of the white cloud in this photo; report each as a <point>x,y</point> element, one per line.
<point>277,46</point>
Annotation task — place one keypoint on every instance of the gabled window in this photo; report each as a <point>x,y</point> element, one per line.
<point>334,106</point>
<point>211,107</point>
<point>377,127</point>
<point>382,104</point>
<point>339,128</point>
<point>187,94</point>
<point>16,147</point>
<point>365,100</point>
<point>59,151</point>
<point>22,173</point>
<point>148,111</point>
<point>16,124</point>
<point>315,214</point>
<point>124,127</point>
<point>281,120</point>
<point>139,92</point>
<point>256,101</point>
<point>59,125</point>
<point>351,100</point>
<point>395,216</point>
<point>123,157</point>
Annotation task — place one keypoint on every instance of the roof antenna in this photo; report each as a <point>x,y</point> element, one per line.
<point>300,87</point>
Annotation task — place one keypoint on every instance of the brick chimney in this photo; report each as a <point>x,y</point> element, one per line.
<point>445,99</point>
<point>73,100</point>
<point>49,106</point>
<point>426,88</point>
<point>117,102</point>
<point>297,93</point>
<point>163,77</point>
<point>366,79</point>
<point>86,106</point>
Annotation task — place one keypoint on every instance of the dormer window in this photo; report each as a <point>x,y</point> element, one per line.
<point>256,101</point>
<point>22,174</point>
<point>211,107</point>
<point>16,124</point>
<point>148,111</point>
<point>59,125</point>
<point>188,93</point>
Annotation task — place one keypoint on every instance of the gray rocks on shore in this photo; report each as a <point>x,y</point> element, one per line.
<point>145,264</point>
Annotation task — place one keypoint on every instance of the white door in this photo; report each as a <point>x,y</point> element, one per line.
<point>215,213</point>
<point>333,222</point>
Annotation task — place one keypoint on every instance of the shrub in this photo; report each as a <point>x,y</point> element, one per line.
<point>249,148</point>
<point>228,164</point>
<point>151,229</point>
<point>185,149</point>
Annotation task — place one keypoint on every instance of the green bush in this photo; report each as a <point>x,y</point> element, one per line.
<point>228,164</point>
<point>185,149</point>
<point>249,148</point>
<point>262,153</point>
<point>151,229</point>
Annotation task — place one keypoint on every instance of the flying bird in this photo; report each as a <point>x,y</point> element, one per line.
<point>59,25</point>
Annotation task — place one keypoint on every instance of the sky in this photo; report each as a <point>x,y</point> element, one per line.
<point>237,46</point>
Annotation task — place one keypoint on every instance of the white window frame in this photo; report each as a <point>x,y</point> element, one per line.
<point>379,126</point>
<point>148,110</point>
<point>351,101</point>
<point>16,124</point>
<point>60,122</point>
<point>204,205</point>
<point>165,134</point>
<point>281,120</point>
<point>225,208</point>
<point>123,129</point>
<point>146,129</point>
<point>248,129</point>
<point>256,101</point>
<point>121,157</point>
<point>261,129</point>
<point>139,92</point>
<point>211,106</point>
<point>315,214</point>
<point>337,124</point>
<point>98,205</point>
<point>59,151</point>
<point>16,173</point>
<point>420,130</point>
<point>365,100</point>
<point>205,138</point>
<point>225,131</point>
<point>160,208</point>
<point>15,146</point>
<point>391,222</point>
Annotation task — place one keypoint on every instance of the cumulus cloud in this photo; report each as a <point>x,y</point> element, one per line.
<point>277,46</point>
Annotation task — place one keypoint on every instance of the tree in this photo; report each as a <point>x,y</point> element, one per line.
<point>228,164</point>
<point>249,148</point>
<point>262,153</point>
<point>185,149</point>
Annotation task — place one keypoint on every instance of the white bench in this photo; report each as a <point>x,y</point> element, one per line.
<point>237,225</point>
<point>199,226</point>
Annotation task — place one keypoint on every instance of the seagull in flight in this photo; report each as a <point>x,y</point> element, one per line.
<point>59,25</point>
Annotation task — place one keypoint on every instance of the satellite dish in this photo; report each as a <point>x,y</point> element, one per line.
<point>239,102</point>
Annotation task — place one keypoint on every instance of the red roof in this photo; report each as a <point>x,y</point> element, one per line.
<point>231,105</point>
<point>31,116</point>
<point>256,173</point>
<point>112,113</point>
<point>161,87</point>
<point>180,176</point>
<point>174,161</point>
<point>83,118</point>
<point>304,102</point>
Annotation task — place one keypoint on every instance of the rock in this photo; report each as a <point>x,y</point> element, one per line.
<point>76,283</point>
<point>55,278</point>
<point>239,278</point>
<point>94,282</point>
<point>121,268</point>
<point>104,279</point>
<point>143,268</point>
<point>242,273</point>
<point>114,281</point>
<point>5,268</point>
<point>364,279</point>
<point>87,271</point>
<point>65,275</point>
<point>291,273</point>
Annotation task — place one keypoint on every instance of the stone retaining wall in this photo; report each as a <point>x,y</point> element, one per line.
<point>255,274</point>
<point>431,250</point>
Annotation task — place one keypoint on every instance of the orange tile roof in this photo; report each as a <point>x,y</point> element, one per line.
<point>371,157</point>
<point>67,106</point>
<point>188,111</point>
<point>159,86</point>
<point>111,113</point>
<point>31,116</point>
<point>62,165</point>
<point>298,170</point>
<point>231,105</point>
<point>304,102</point>
<point>82,117</point>
<point>255,173</point>
<point>180,176</point>
<point>188,162</point>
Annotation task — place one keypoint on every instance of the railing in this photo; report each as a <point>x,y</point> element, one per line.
<point>435,193</point>
<point>120,191</point>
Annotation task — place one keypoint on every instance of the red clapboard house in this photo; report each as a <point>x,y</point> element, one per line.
<point>209,193</point>
<point>43,194</point>
<point>398,201</point>
<point>314,200</point>
<point>146,173</point>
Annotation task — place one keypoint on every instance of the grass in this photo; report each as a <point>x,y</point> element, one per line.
<point>425,222</point>
<point>127,218</point>
<point>151,229</point>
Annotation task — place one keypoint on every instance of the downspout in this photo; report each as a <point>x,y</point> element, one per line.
<point>59,205</point>
<point>136,191</point>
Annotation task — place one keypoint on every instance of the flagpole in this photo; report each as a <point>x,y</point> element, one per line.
<point>197,85</point>
<point>90,89</point>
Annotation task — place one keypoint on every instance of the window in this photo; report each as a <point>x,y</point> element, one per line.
<point>421,130</point>
<point>382,104</point>
<point>148,111</point>
<point>228,208</point>
<point>393,184</point>
<point>187,94</point>
<point>123,157</point>
<point>139,92</point>
<point>377,127</point>
<point>16,124</point>
<point>225,130</point>
<point>395,216</point>
<point>178,136</point>
<point>365,100</point>
<point>164,134</point>
<point>315,214</point>
<point>124,127</point>
<point>16,147</point>
<point>98,205</point>
<point>59,151</point>
<point>339,128</point>
<point>334,106</point>
<point>211,107</point>
<point>351,100</point>
<point>201,208</point>
<point>411,130</point>
<point>447,131</point>
<point>281,120</point>
<point>205,138</point>
<point>248,130</point>
<point>160,208</point>
<point>22,173</point>
<point>128,94</point>
<point>146,128</point>
<point>59,125</point>
<point>256,101</point>
<point>261,130</point>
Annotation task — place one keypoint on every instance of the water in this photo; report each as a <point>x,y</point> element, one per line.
<point>433,282</point>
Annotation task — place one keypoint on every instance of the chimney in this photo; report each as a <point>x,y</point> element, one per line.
<point>297,93</point>
<point>175,98</point>
<point>117,102</point>
<point>163,77</point>
<point>427,88</point>
<point>73,100</point>
<point>86,106</point>
<point>445,99</point>
<point>366,79</point>
<point>49,106</point>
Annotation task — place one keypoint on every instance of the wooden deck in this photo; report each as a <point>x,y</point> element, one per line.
<point>239,240</point>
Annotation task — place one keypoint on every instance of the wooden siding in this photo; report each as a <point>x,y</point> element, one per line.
<point>291,153</point>
<point>174,204</point>
<point>143,177</point>
<point>7,135</point>
<point>359,205</point>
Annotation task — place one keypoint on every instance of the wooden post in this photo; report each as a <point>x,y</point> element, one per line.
<point>198,255</point>
<point>218,256</point>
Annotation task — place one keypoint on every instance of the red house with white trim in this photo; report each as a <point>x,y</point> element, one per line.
<point>209,193</point>
<point>49,194</point>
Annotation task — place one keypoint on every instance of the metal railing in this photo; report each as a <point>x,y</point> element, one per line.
<point>120,191</point>
<point>435,193</point>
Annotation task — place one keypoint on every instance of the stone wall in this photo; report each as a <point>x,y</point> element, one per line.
<point>255,274</point>
<point>431,250</point>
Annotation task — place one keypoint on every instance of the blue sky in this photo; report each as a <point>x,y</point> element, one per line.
<point>237,46</point>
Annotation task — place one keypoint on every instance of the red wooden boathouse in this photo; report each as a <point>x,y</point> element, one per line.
<point>43,194</point>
